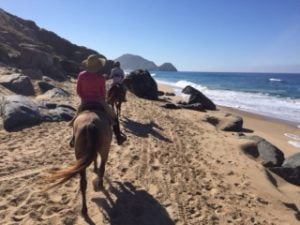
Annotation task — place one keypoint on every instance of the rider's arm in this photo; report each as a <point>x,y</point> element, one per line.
<point>111,73</point>
<point>103,89</point>
<point>123,74</point>
<point>78,87</point>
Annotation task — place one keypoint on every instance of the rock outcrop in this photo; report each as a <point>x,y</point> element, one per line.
<point>17,83</point>
<point>196,106</point>
<point>266,153</point>
<point>290,169</point>
<point>226,122</point>
<point>197,97</point>
<point>141,83</point>
<point>26,46</point>
<point>19,112</point>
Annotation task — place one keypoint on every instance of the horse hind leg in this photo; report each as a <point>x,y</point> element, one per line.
<point>119,109</point>
<point>101,172</point>
<point>83,185</point>
<point>95,164</point>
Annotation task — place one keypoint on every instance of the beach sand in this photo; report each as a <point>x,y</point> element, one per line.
<point>174,169</point>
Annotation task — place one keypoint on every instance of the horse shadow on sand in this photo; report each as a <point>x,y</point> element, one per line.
<point>144,129</point>
<point>131,206</point>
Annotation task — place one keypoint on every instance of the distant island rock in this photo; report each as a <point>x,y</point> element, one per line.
<point>135,62</point>
<point>167,67</point>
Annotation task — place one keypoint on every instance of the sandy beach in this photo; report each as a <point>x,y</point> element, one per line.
<point>174,169</point>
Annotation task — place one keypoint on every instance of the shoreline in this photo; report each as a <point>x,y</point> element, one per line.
<point>278,113</point>
<point>270,128</point>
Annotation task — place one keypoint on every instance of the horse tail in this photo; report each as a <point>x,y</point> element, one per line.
<point>82,163</point>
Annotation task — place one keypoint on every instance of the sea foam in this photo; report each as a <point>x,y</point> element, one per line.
<point>275,80</point>
<point>295,143</point>
<point>280,108</point>
<point>292,136</point>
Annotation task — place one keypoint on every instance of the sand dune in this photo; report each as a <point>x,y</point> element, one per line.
<point>174,169</point>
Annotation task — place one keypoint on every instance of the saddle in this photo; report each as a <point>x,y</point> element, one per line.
<point>93,106</point>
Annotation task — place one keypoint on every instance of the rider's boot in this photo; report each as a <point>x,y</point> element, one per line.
<point>119,135</point>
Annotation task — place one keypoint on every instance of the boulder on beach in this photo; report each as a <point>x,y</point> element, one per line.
<point>231,123</point>
<point>141,83</point>
<point>269,154</point>
<point>19,112</point>
<point>198,97</point>
<point>45,86</point>
<point>226,122</point>
<point>56,92</point>
<point>196,106</point>
<point>170,105</point>
<point>17,83</point>
<point>265,152</point>
<point>290,169</point>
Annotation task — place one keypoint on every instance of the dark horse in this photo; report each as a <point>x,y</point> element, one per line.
<point>93,135</point>
<point>115,97</point>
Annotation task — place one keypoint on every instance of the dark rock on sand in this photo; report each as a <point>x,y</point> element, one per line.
<point>268,154</point>
<point>212,120</point>
<point>170,94</point>
<point>55,112</point>
<point>57,92</point>
<point>197,97</point>
<point>232,123</point>
<point>160,93</point>
<point>45,86</point>
<point>291,175</point>
<point>293,161</point>
<point>141,83</point>
<point>170,105</point>
<point>227,122</point>
<point>19,112</point>
<point>18,84</point>
<point>194,106</point>
<point>250,149</point>
<point>290,169</point>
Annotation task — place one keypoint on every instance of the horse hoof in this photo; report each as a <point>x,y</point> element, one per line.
<point>98,185</point>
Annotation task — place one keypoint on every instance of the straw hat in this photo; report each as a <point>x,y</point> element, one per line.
<point>93,64</point>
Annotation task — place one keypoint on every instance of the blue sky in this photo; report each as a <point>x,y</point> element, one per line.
<point>195,35</point>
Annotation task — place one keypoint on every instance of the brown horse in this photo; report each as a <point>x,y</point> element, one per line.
<point>115,97</point>
<point>93,135</point>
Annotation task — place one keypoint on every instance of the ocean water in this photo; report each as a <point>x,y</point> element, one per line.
<point>270,94</point>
